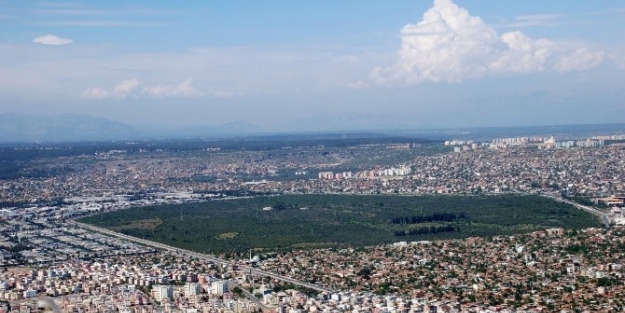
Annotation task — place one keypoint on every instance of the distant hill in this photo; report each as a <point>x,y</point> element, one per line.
<point>66,127</point>
<point>74,127</point>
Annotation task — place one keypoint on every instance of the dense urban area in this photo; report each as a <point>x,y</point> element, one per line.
<point>52,261</point>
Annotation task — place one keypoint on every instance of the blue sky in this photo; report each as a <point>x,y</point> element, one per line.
<point>316,65</point>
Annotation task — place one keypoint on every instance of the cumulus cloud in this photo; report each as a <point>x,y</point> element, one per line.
<point>581,59</point>
<point>450,45</point>
<point>52,40</point>
<point>184,89</point>
<point>126,87</point>
<point>95,93</point>
<point>357,85</point>
<point>131,89</point>
<point>122,90</point>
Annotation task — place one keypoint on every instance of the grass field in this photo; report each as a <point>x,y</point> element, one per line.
<point>338,220</point>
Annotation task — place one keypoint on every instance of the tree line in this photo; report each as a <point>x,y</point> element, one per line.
<point>435,217</point>
<point>426,230</point>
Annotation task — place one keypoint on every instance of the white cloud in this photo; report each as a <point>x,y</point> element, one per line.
<point>52,40</point>
<point>126,87</point>
<point>521,55</point>
<point>95,93</point>
<point>130,88</point>
<point>122,90</point>
<point>580,59</point>
<point>217,72</point>
<point>450,45</point>
<point>184,89</point>
<point>357,85</point>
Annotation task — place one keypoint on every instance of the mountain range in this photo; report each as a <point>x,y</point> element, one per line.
<point>74,127</point>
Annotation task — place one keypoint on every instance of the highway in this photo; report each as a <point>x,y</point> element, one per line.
<point>249,269</point>
<point>604,217</point>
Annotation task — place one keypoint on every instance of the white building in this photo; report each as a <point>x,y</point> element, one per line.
<point>219,287</point>
<point>30,293</point>
<point>162,292</point>
<point>192,289</point>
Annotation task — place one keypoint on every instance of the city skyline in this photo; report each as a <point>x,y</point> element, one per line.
<point>316,66</point>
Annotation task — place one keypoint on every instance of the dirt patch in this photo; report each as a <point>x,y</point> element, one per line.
<point>227,236</point>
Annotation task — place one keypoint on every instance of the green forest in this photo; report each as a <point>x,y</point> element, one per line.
<point>314,221</point>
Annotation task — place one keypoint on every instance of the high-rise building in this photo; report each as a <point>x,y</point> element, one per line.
<point>219,287</point>
<point>162,292</point>
<point>192,289</point>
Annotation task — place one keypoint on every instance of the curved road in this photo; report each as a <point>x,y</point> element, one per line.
<point>604,217</point>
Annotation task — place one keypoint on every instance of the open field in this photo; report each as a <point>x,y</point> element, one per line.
<point>283,222</point>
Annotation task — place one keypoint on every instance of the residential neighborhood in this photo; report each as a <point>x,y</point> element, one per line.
<point>51,263</point>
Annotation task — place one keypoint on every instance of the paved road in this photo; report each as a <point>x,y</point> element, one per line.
<point>604,217</point>
<point>208,257</point>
